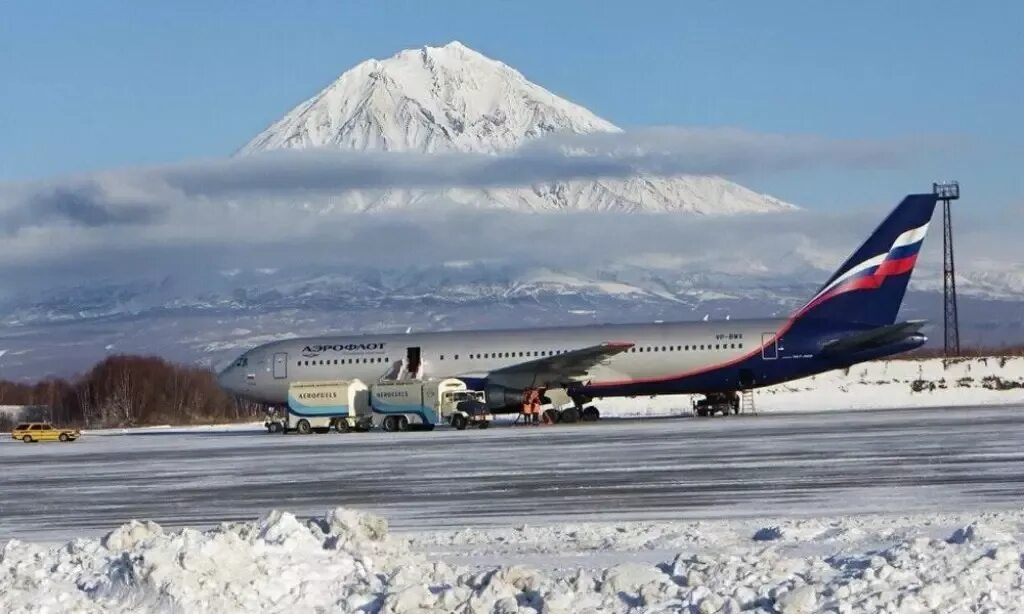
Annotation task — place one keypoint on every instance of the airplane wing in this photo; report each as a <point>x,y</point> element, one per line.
<point>568,366</point>
<point>873,338</point>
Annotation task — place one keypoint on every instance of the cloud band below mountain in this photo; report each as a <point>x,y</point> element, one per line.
<point>141,196</point>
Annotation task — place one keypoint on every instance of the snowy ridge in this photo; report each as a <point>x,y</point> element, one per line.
<point>454,99</point>
<point>346,561</point>
<point>434,99</point>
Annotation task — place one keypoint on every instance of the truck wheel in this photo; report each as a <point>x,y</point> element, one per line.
<point>401,423</point>
<point>569,416</point>
<point>342,426</point>
<point>459,422</point>
<point>64,437</point>
<point>550,416</point>
<point>274,427</point>
<point>591,414</point>
<point>303,427</point>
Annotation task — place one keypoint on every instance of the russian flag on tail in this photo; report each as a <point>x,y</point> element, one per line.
<point>870,274</point>
<point>869,287</point>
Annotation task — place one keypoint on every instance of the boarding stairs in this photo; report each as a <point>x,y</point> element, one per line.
<point>747,402</point>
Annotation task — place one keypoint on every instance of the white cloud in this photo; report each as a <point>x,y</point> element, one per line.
<point>266,211</point>
<point>144,196</point>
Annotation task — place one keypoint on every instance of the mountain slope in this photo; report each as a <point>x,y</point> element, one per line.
<point>453,99</point>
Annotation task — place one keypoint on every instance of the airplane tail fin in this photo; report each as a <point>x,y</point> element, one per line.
<point>869,287</point>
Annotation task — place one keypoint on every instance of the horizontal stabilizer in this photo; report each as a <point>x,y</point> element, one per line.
<point>873,338</point>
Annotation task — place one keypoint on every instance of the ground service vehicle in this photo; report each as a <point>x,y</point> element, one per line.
<point>717,402</point>
<point>423,404</point>
<point>30,432</point>
<point>319,406</point>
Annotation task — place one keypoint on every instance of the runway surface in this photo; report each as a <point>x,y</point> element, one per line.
<point>668,469</point>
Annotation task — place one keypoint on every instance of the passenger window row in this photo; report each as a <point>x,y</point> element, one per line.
<point>529,354</point>
<point>343,361</point>
<point>525,354</point>
<point>687,348</point>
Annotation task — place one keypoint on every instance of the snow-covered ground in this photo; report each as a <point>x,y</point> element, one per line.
<point>719,515</point>
<point>882,384</point>
<point>346,561</point>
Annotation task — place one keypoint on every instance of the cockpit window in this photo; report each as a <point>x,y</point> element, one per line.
<point>242,362</point>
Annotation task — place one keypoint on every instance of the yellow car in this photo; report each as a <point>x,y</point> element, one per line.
<point>42,431</point>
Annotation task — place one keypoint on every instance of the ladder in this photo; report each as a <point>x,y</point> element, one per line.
<point>747,402</point>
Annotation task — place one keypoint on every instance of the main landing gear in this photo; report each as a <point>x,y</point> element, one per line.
<point>531,412</point>
<point>579,412</point>
<point>570,415</point>
<point>713,403</point>
<point>582,412</point>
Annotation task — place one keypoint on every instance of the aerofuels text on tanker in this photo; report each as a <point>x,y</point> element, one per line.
<point>319,406</point>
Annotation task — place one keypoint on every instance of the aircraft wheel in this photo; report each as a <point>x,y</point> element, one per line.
<point>591,414</point>
<point>303,427</point>
<point>401,423</point>
<point>459,422</point>
<point>569,416</point>
<point>550,416</point>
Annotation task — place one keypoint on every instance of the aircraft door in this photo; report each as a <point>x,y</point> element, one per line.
<point>281,365</point>
<point>412,361</point>
<point>769,346</point>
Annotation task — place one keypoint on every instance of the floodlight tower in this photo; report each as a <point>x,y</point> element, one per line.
<point>947,192</point>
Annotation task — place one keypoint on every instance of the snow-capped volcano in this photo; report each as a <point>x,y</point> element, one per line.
<point>454,99</point>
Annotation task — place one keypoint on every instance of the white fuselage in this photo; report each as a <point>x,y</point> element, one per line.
<point>659,350</point>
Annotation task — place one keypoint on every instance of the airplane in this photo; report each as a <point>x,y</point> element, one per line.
<point>850,319</point>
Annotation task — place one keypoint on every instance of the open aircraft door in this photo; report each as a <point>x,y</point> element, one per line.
<point>769,346</point>
<point>281,365</point>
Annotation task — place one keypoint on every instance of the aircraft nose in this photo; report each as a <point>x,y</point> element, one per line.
<point>226,379</point>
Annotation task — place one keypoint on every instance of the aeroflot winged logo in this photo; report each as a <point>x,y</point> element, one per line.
<point>315,350</point>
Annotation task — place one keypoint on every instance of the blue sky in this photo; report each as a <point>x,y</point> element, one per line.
<point>105,84</point>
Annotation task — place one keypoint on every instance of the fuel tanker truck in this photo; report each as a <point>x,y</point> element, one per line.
<point>343,405</point>
<point>422,404</point>
<point>351,405</point>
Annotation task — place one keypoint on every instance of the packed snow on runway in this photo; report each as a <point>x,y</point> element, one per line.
<point>910,510</point>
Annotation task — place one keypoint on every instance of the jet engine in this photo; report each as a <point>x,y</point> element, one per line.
<point>500,398</point>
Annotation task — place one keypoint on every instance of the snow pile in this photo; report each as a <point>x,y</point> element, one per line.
<point>347,562</point>
<point>881,384</point>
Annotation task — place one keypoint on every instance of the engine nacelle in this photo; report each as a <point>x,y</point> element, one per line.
<point>502,398</point>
